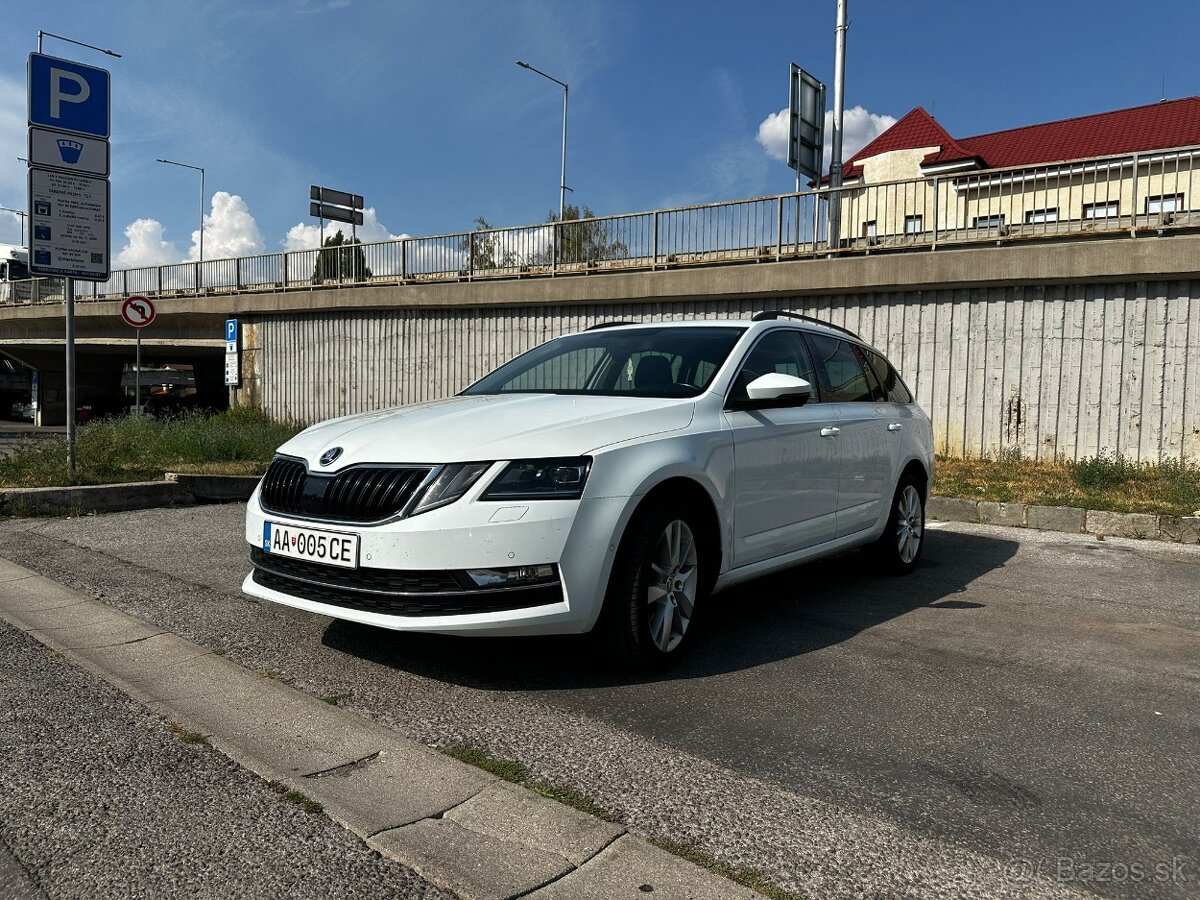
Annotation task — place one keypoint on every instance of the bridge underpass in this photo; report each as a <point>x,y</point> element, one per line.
<point>1048,348</point>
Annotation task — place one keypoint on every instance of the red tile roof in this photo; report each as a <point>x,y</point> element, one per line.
<point>1157,126</point>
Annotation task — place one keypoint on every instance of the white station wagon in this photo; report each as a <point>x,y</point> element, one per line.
<point>611,479</point>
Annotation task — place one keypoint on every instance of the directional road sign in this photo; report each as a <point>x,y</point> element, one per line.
<point>68,95</point>
<point>138,311</point>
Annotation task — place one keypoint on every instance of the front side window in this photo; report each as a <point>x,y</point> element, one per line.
<point>782,352</point>
<point>841,362</point>
<point>637,362</point>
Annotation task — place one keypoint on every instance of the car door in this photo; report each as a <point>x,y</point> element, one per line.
<point>786,461</point>
<point>864,443</point>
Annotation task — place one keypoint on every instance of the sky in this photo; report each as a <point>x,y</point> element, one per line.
<point>419,107</point>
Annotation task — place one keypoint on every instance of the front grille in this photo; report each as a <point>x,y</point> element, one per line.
<point>357,494</point>
<point>388,581</point>
<point>411,604</point>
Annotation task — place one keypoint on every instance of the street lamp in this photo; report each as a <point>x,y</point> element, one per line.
<point>200,169</point>
<point>22,214</point>
<point>562,186</point>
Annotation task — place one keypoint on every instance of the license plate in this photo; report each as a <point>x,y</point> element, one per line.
<point>331,548</point>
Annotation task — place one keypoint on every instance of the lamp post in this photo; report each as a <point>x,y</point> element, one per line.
<point>200,169</point>
<point>562,186</point>
<point>22,214</point>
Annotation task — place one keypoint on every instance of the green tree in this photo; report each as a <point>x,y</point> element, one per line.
<point>484,249</point>
<point>582,239</point>
<point>341,259</point>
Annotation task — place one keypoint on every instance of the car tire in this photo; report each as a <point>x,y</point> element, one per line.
<point>899,548</point>
<point>659,579</point>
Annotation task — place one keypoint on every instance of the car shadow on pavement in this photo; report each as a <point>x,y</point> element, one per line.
<point>778,617</point>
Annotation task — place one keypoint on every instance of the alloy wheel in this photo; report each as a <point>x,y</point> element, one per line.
<point>909,524</point>
<point>674,582</point>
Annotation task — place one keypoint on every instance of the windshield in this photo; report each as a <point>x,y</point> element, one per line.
<point>634,362</point>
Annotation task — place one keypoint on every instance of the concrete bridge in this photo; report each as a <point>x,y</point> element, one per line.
<point>1067,348</point>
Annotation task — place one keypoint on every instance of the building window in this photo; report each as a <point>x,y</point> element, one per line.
<point>868,229</point>
<point>914,224</point>
<point>988,222</point>
<point>1041,216</point>
<point>1104,210</point>
<point>1164,203</point>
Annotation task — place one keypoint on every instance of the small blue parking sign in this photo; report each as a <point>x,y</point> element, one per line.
<point>68,95</point>
<point>230,330</point>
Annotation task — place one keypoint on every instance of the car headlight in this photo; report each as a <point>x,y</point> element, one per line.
<point>541,479</point>
<point>450,484</point>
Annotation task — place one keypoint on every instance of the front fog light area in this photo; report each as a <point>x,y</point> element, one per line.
<point>514,577</point>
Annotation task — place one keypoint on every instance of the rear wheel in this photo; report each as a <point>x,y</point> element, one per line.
<point>657,581</point>
<point>900,546</point>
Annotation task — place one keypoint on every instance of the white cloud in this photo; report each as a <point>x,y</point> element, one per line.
<point>229,230</point>
<point>860,126</point>
<point>307,236</point>
<point>12,141</point>
<point>10,227</point>
<point>145,246</point>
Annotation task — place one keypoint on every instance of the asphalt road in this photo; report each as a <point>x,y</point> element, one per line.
<point>99,799</point>
<point>1025,704</point>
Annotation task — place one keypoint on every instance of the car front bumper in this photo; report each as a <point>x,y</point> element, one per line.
<point>575,536</point>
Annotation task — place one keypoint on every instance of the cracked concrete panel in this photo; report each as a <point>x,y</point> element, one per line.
<point>512,813</point>
<point>395,787</point>
<point>472,865</point>
<point>632,867</point>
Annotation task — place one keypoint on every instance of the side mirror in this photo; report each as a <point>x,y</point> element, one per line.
<point>777,389</point>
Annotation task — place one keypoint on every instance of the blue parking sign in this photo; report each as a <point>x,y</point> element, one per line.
<point>230,330</point>
<point>68,95</point>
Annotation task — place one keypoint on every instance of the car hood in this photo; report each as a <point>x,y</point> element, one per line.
<point>492,427</point>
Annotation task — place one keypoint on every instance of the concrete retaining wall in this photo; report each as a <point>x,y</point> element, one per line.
<point>1046,368</point>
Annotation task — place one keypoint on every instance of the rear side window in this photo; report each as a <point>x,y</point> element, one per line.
<point>893,388</point>
<point>842,365</point>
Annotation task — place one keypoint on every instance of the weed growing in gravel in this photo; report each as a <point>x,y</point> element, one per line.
<point>186,734</point>
<point>133,448</point>
<point>745,876</point>
<point>336,699</point>
<point>1109,481</point>
<point>306,803</point>
<point>512,771</point>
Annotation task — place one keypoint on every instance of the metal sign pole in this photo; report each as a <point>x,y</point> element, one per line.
<point>137,377</point>
<point>69,302</point>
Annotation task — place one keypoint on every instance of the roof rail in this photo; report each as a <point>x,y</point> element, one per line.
<point>768,314</point>
<point>609,325</point>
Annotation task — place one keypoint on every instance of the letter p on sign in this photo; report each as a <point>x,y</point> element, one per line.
<point>58,96</point>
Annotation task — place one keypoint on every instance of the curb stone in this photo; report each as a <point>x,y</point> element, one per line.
<point>1068,519</point>
<point>176,489</point>
<point>457,826</point>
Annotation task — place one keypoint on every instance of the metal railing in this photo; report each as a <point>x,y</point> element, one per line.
<point>1140,194</point>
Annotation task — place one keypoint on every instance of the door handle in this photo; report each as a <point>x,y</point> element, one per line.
<point>895,426</point>
<point>830,432</point>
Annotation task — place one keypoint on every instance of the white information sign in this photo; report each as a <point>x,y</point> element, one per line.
<point>49,148</point>
<point>68,228</point>
<point>232,370</point>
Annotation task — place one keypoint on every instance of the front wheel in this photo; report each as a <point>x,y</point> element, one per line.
<point>657,581</point>
<point>900,546</point>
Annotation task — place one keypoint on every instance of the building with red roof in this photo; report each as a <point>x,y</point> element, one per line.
<point>1127,168</point>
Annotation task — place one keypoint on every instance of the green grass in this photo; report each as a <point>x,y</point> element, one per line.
<point>186,734</point>
<point>306,803</point>
<point>1105,482</point>
<point>743,875</point>
<point>239,441</point>
<point>512,771</point>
